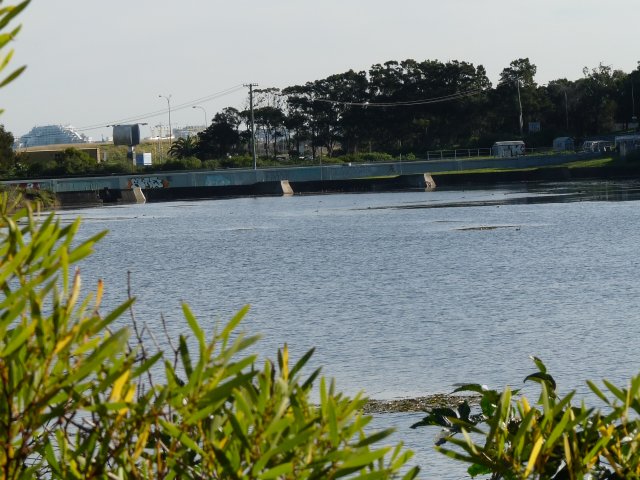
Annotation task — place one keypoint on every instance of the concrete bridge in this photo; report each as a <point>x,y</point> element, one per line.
<point>167,185</point>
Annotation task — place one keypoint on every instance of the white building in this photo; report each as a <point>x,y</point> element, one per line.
<point>51,135</point>
<point>627,143</point>
<point>188,131</point>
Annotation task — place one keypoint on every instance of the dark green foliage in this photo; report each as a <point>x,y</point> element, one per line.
<point>550,440</point>
<point>187,163</point>
<point>221,137</point>
<point>8,157</point>
<point>184,147</point>
<point>74,162</point>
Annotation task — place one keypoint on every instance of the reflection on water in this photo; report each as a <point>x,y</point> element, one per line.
<point>399,300</point>
<point>535,193</point>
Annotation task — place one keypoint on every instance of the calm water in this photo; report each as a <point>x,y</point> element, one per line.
<point>403,294</point>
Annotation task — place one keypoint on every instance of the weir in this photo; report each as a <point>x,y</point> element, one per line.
<point>274,181</point>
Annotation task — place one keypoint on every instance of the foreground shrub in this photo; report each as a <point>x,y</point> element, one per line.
<point>550,440</point>
<point>80,398</point>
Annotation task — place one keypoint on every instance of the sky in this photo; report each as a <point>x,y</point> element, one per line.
<point>93,63</point>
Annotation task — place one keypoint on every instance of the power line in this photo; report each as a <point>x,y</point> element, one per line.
<point>157,113</point>
<point>445,98</point>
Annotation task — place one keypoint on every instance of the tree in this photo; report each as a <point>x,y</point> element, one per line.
<point>7,155</point>
<point>596,93</point>
<point>221,137</point>
<point>184,147</point>
<point>270,121</point>
<point>73,162</point>
<point>515,101</point>
<point>300,108</point>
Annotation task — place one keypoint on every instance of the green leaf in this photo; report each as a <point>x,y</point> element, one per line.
<point>12,12</point>
<point>301,363</point>
<point>51,459</point>
<point>114,344</point>
<point>195,327</point>
<point>539,363</point>
<point>180,436</point>
<point>333,421</point>
<point>363,459</point>
<point>476,469</point>
<point>542,377</point>
<point>471,387</point>
<point>184,356</point>
<point>376,437</point>
<point>615,390</point>
<point>20,335</point>
<point>521,436</point>
<point>223,391</point>
<point>411,474</point>
<point>237,318</point>
<point>558,430</point>
<point>278,471</point>
<point>146,365</point>
<point>455,455</point>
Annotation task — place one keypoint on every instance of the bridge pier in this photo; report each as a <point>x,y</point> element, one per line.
<point>424,180</point>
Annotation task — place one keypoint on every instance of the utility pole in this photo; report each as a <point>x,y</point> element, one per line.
<point>633,105</point>
<point>520,105</point>
<point>253,128</point>
<point>566,109</point>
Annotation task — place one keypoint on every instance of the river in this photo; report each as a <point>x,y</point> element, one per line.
<point>402,294</point>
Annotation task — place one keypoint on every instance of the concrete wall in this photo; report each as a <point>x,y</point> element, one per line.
<point>237,178</point>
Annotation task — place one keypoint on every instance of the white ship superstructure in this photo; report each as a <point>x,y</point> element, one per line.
<point>51,135</point>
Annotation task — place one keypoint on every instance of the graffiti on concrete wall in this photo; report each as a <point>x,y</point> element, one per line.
<point>148,182</point>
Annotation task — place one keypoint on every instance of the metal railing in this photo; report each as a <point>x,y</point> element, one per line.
<point>476,153</point>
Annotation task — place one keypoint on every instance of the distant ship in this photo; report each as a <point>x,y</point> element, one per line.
<point>51,135</point>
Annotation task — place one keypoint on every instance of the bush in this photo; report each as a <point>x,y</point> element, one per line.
<point>237,161</point>
<point>79,399</point>
<point>73,162</point>
<point>210,164</point>
<point>126,166</point>
<point>188,163</point>
<point>367,157</point>
<point>550,440</point>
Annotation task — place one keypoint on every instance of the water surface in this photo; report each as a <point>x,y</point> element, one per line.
<point>402,294</point>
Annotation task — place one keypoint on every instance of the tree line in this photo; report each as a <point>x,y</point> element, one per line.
<point>402,107</point>
<point>396,108</point>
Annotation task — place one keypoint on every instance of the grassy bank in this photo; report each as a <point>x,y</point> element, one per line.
<point>605,168</point>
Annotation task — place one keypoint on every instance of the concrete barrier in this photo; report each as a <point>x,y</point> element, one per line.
<point>280,187</point>
<point>138,195</point>
<point>286,188</point>
<point>424,180</point>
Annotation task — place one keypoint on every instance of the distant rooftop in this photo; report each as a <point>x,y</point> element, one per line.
<point>51,135</point>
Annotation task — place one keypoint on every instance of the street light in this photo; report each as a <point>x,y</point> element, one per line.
<point>169,107</point>
<point>205,115</point>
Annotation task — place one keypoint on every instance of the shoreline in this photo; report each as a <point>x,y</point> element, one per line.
<point>395,183</point>
<point>418,404</point>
